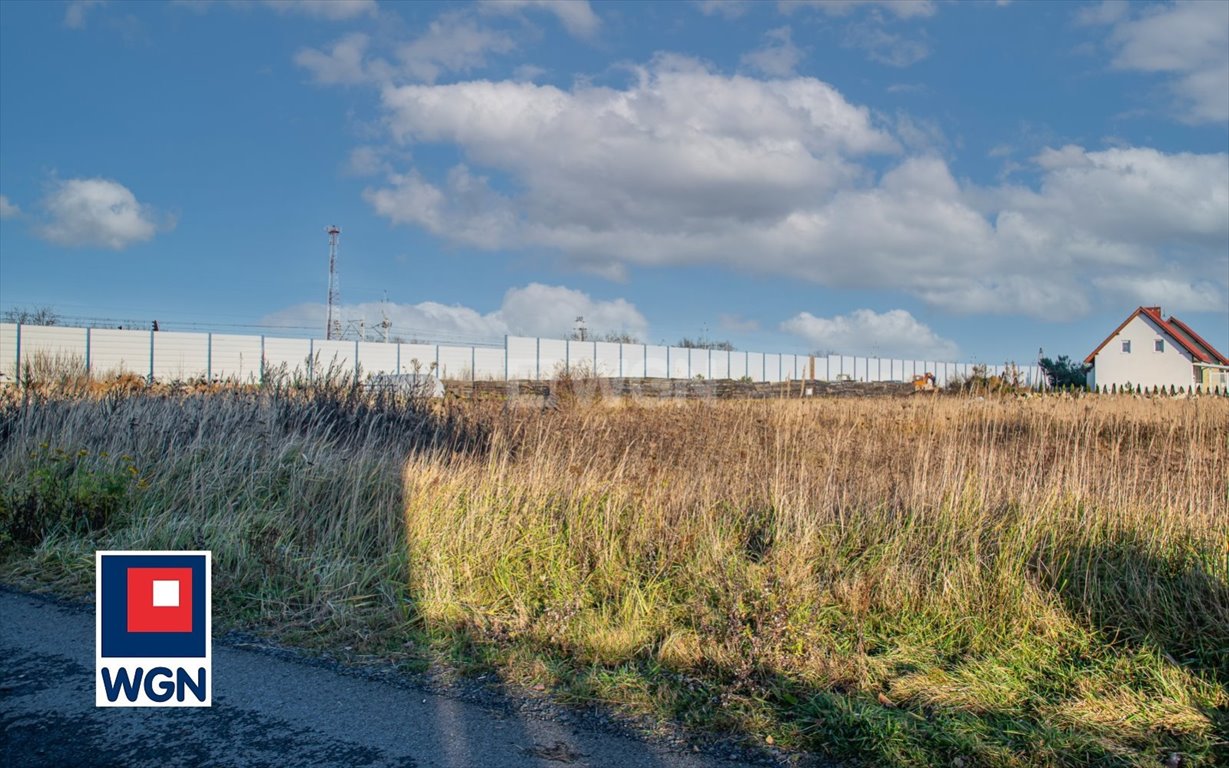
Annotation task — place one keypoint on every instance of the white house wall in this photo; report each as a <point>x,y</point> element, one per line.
<point>1143,365</point>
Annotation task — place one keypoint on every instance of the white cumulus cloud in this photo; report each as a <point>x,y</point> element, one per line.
<point>1175,294</point>
<point>96,212</point>
<point>895,333</point>
<point>685,166</point>
<point>531,310</point>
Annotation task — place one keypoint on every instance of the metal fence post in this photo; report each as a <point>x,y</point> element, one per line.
<point>18,371</point>
<point>473,364</point>
<point>311,359</point>
<point>151,356</point>
<point>620,359</point>
<point>356,361</point>
<point>439,375</point>
<point>87,353</point>
<point>398,358</point>
<point>262,359</point>
<point>537,358</point>
<point>505,357</point>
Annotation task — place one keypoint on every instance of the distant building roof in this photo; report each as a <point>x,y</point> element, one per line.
<point>1180,332</point>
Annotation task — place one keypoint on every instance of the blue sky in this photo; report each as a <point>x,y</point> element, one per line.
<point>927,179</point>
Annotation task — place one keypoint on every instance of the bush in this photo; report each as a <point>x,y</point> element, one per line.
<point>66,492</point>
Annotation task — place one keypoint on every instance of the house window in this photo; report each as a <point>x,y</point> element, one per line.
<point>1159,345</point>
<point>1126,347</point>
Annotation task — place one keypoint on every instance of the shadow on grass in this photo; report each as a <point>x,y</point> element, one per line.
<point>1174,605</point>
<point>1140,608</point>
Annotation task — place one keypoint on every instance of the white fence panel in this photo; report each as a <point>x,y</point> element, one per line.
<point>8,352</point>
<point>237,358</point>
<point>676,362</point>
<point>553,357</point>
<point>633,360</point>
<point>489,362</point>
<point>375,357</point>
<point>290,354</point>
<point>738,365</point>
<point>607,355</point>
<point>53,344</point>
<point>774,367</point>
<point>456,363</point>
<point>655,361</point>
<point>522,357</point>
<point>180,356</point>
<point>117,351</point>
<point>580,356</point>
<point>331,355</point>
<point>417,358</point>
<point>755,365</point>
<point>697,363</point>
<point>845,369</point>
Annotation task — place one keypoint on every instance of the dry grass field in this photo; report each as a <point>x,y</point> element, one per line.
<point>909,581</point>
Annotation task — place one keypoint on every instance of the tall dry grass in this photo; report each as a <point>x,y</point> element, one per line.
<point>1038,581</point>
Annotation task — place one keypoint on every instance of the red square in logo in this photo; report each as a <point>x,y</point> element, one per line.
<point>159,599</point>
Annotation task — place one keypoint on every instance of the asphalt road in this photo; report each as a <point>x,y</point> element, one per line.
<point>271,711</point>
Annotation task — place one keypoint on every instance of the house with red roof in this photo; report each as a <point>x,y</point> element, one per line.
<point>1149,351</point>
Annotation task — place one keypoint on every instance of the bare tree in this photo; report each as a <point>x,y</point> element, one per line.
<point>32,316</point>
<point>721,346</point>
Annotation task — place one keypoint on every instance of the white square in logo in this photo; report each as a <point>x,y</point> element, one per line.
<point>166,594</point>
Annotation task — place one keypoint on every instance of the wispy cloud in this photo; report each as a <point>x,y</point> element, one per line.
<point>1185,42</point>
<point>777,57</point>
<point>8,210</point>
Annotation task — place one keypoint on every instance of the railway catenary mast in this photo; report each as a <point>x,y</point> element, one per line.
<point>332,324</point>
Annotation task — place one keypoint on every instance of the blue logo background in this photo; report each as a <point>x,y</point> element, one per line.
<point>117,641</point>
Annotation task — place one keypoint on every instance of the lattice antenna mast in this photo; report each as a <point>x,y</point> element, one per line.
<point>386,325</point>
<point>332,327</point>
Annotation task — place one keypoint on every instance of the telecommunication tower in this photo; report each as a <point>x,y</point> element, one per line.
<point>332,327</point>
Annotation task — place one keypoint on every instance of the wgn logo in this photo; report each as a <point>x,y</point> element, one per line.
<point>152,633</point>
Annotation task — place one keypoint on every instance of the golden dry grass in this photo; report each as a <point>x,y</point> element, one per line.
<point>1017,581</point>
